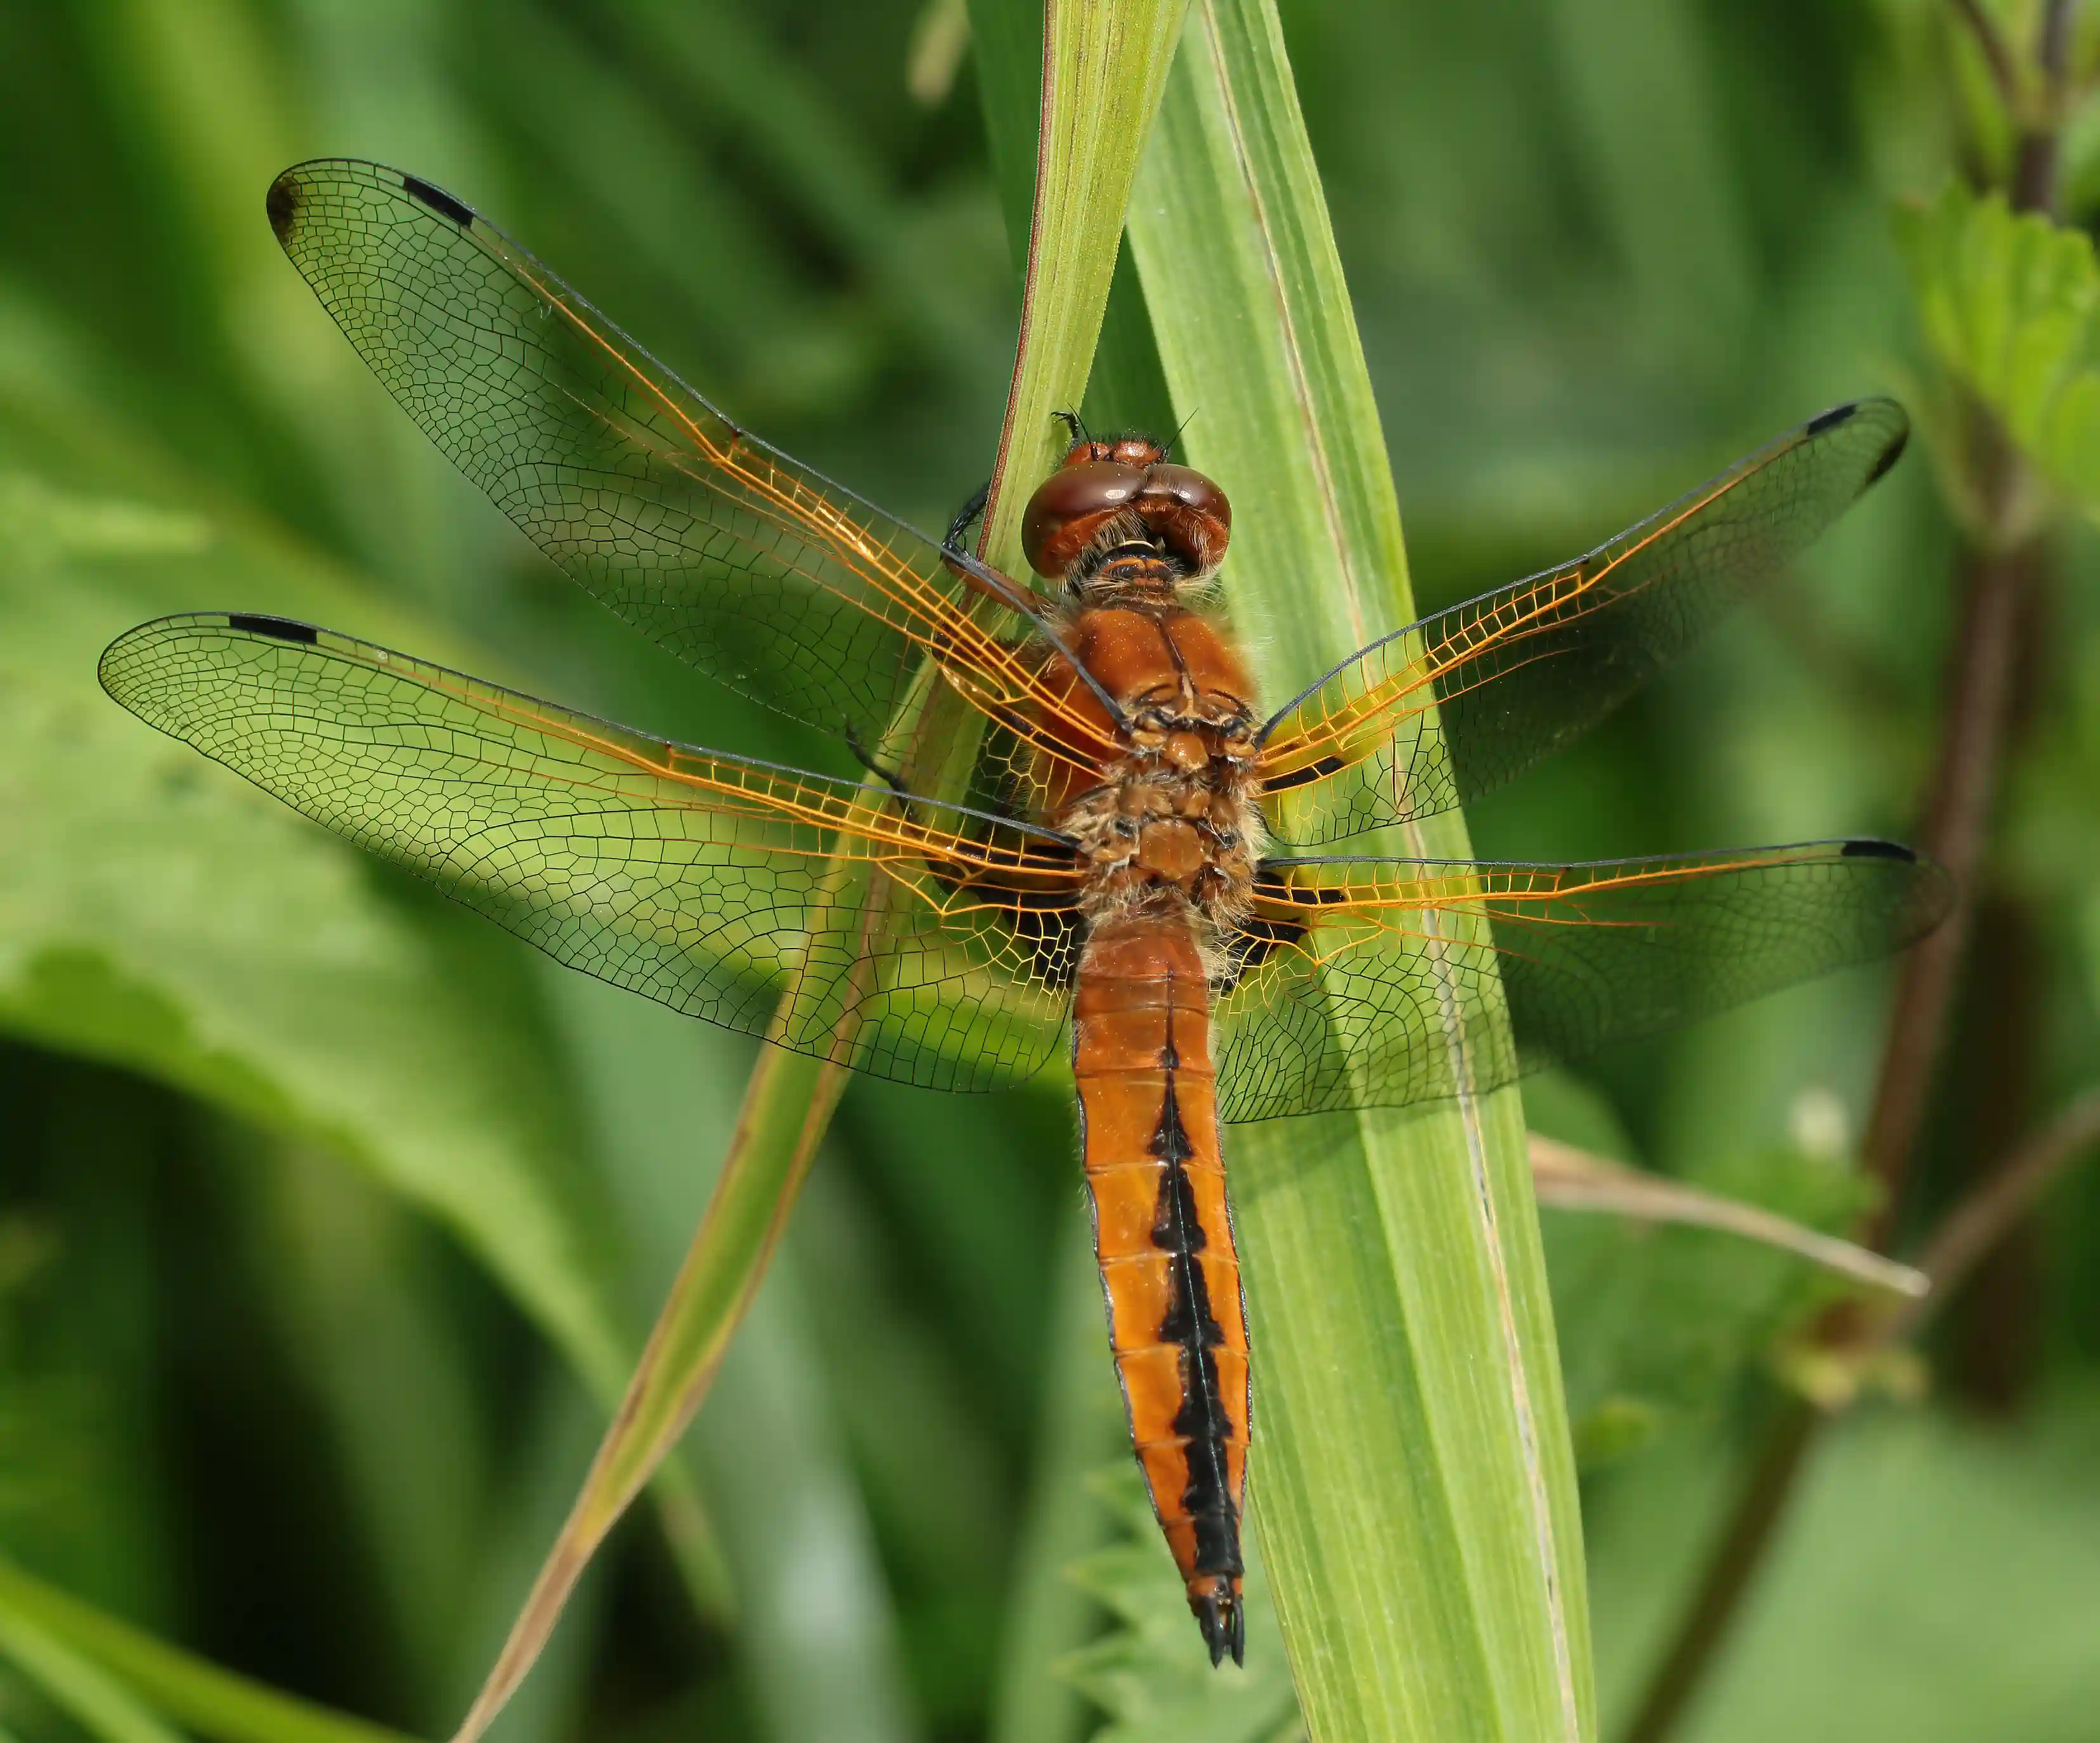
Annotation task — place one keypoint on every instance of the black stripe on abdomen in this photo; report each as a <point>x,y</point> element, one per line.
<point>1177,1229</point>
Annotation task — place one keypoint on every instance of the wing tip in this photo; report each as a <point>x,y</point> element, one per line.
<point>1870,847</point>
<point>287,194</point>
<point>1886,411</point>
<point>1932,889</point>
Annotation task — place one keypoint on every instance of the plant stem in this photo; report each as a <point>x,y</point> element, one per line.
<point>1729,1574</point>
<point>1967,1235</point>
<point>1958,808</point>
<point>1996,585</point>
<point>1976,1225</point>
<point>1997,577</point>
<point>1996,55</point>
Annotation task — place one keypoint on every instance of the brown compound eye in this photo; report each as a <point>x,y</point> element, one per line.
<point>1071,506</point>
<point>1188,512</point>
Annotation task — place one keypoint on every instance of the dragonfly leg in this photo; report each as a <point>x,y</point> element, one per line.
<point>889,777</point>
<point>966,517</point>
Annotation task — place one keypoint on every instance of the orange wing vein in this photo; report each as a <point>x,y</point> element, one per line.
<point>1448,708</point>
<point>1357,972</point>
<point>754,568</point>
<point>700,880</point>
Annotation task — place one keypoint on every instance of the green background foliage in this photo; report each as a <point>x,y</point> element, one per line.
<point>329,1218</point>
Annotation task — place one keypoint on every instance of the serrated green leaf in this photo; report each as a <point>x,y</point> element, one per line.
<point>1151,1675</point>
<point>2010,305</point>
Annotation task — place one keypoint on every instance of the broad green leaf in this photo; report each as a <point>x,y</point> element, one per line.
<point>2010,304</point>
<point>1412,1471</point>
<point>159,914</point>
<point>1104,65</point>
<point>125,1686</point>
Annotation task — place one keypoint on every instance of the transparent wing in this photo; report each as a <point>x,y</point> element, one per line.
<point>1450,707</point>
<point>1354,974</point>
<point>930,944</point>
<point>757,570</point>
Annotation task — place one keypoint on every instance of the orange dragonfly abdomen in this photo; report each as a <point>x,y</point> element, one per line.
<point>1163,1234</point>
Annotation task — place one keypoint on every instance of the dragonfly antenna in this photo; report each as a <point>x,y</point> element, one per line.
<point>1168,451</point>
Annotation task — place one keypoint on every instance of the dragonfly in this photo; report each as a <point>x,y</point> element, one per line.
<point>1074,823</point>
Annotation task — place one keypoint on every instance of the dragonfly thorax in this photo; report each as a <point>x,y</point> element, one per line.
<point>1172,823</point>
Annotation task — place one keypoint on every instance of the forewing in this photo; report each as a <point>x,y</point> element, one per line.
<point>1448,708</point>
<point>928,944</point>
<point>754,569</point>
<point>1360,972</point>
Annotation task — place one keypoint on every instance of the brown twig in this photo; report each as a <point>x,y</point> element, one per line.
<point>2034,172</point>
<point>1996,585</point>
<point>1569,1178</point>
<point>1728,1574</point>
<point>1976,1225</point>
<point>1996,56</point>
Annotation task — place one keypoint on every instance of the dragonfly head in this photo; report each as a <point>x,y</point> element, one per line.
<point>1118,513</point>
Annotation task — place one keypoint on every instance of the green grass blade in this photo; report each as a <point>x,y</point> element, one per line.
<point>95,1700</point>
<point>1413,1481</point>
<point>789,1103</point>
<point>1103,66</point>
<point>66,1636</point>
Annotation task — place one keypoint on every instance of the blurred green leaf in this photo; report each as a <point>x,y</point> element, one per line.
<point>1657,1321</point>
<point>158,913</point>
<point>1888,1612</point>
<point>2010,303</point>
<point>99,1703</point>
<point>1151,1675</point>
<point>115,1678</point>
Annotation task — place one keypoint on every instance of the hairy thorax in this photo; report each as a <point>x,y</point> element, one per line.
<point>1169,824</point>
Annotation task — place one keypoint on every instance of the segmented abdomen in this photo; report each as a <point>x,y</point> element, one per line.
<point>1162,1230</point>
